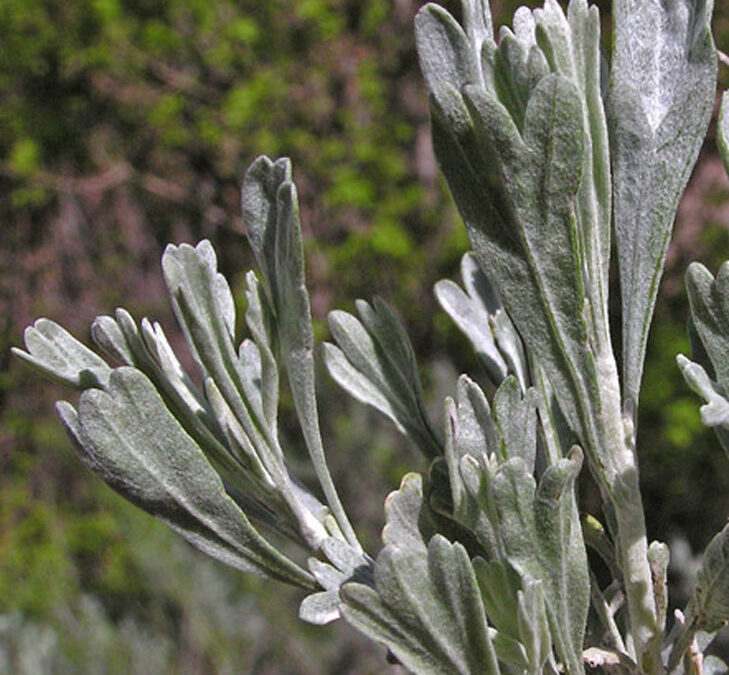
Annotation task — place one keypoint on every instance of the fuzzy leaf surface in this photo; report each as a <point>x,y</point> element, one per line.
<point>663,80</point>
<point>426,605</point>
<point>127,436</point>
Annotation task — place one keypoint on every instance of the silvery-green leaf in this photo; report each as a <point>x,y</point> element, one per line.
<point>711,596</point>
<point>515,416</point>
<point>713,665</point>
<point>709,301</point>
<point>345,565</point>
<point>149,351</point>
<point>479,28</point>
<point>444,49</point>
<point>658,558</point>
<point>518,66</point>
<point>107,334</point>
<point>326,575</point>
<point>374,361</point>
<point>482,318</point>
<point>427,609</point>
<point>402,515</point>
<point>128,437</point>
<point>320,608</point>
<point>528,242</point>
<point>260,324</point>
<point>500,586</point>
<point>468,423</point>
<point>709,329</point>
<point>534,626</point>
<point>477,433</point>
<point>571,44</point>
<point>722,131</point>
<point>425,604</point>
<point>715,412</point>
<point>271,215</point>
<point>663,80</point>
<point>510,652</point>
<point>539,527</point>
<point>55,353</point>
<point>201,300</point>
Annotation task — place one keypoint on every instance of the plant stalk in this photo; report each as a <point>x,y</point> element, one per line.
<point>623,488</point>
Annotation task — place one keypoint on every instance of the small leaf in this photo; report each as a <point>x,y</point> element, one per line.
<point>55,353</point>
<point>402,515</point>
<point>482,318</point>
<point>515,416</point>
<point>711,596</point>
<point>320,608</point>
<point>443,48</point>
<point>374,361</point>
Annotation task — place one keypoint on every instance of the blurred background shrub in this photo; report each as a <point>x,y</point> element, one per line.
<point>125,124</point>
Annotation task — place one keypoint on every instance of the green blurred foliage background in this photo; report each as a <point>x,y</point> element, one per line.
<point>125,124</point>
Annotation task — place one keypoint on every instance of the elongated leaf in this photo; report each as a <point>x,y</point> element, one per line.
<point>471,435</point>
<point>529,250</point>
<point>709,301</point>
<point>660,101</point>
<point>128,437</point>
<point>374,361</point>
<point>260,323</point>
<point>426,605</point>
<point>204,308</point>
<point>270,211</point>
<point>515,416</point>
<point>534,627</point>
<point>571,45</point>
<point>722,131</point>
<point>55,353</point>
<point>518,66</point>
<point>500,586</point>
<point>149,351</point>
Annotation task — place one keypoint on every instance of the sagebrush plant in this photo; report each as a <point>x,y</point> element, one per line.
<point>546,150</point>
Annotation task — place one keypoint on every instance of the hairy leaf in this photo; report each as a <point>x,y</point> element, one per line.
<point>127,436</point>
<point>660,101</point>
<point>480,315</point>
<point>271,215</point>
<point>426,606</point>
<point>711,596</point>
<point>55,353</point>
<point>374,361</point>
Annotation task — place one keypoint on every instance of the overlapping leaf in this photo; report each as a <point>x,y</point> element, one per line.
<point>661,96</point>
<point>478,312</point>
<point>270,211</point>
<point>538,534</point>
<point>374,361</point>
<point>426,606</point>
<point>571,46</point>
<point>709,300</point>
<point>127,436</point>
<point>55,353</point>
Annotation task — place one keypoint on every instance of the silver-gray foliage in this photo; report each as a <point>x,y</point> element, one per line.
<point>484,567</point>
